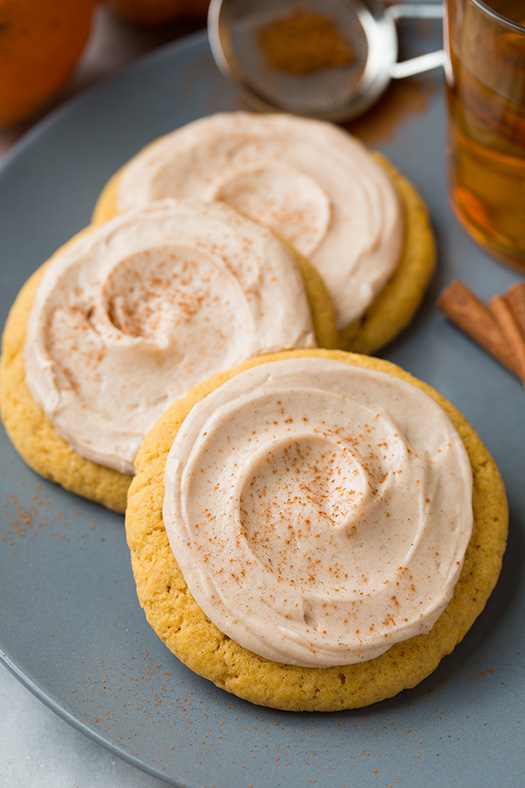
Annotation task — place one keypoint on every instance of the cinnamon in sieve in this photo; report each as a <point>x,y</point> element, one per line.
<point>304,42</point>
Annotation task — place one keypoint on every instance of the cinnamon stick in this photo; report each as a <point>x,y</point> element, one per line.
<point>474,318</point>
<point>515,297</point>
<point>511,330</point>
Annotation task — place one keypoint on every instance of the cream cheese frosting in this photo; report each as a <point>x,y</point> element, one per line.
<point>134,312</point>
<point>319,511</point>
<point>311,182</point>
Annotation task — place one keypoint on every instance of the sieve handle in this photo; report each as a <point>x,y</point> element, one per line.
<point>416,65</point>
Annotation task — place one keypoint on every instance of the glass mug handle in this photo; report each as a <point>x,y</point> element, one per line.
<point>416,65</point>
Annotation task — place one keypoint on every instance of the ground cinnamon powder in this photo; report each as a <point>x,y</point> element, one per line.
<point>304,42</point>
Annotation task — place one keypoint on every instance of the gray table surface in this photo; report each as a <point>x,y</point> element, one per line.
<point>37,748</point>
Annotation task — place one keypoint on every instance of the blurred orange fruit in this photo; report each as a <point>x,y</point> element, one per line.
<point>154,13</point>
<point>40,42</point>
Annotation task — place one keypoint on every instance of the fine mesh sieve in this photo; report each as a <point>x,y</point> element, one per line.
<point>331,92</point>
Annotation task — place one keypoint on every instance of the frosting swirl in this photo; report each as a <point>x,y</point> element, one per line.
<point>318,511</point>
<point>310,181</point>
<point>133,313</point>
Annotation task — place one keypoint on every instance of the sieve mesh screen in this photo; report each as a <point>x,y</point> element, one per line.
<point>320,89</point>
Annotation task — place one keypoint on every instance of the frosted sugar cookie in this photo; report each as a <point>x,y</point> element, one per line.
<point>127,317</point>
<point>361,224</point>
<point>314,530</point>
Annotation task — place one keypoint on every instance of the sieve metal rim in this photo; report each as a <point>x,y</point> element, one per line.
<point>383,19</point>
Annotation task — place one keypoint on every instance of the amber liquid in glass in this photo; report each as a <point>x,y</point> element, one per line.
<point>486,99</point>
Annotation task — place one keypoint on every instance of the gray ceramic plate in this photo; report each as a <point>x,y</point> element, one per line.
<point>70,625</point>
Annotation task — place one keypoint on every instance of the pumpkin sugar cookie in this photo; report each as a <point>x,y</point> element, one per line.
<point>361,224</point>
<point>127,317</point>
<point>300,537</point>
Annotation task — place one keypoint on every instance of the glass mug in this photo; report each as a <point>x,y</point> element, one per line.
<point>485,76</point>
